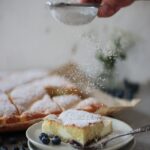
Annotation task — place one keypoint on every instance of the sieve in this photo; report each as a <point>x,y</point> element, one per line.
<point>74,13</point>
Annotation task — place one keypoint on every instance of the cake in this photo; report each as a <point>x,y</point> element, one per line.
<point>28,96</point>
<point>67,101</point>
<point>77,125</point>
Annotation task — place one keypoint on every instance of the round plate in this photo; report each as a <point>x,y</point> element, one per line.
<point>129,146</point>
<point>119,127</point>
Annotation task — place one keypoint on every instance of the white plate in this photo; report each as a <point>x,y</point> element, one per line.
<point>119,127</point>
<point>129,146</point>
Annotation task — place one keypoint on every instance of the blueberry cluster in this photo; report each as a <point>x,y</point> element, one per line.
<point>128,90</point>
<point>45,139</point>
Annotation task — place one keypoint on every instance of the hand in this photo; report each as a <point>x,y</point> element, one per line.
<point>109,7</point>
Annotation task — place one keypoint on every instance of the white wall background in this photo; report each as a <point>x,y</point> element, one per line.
<point>30,38</point>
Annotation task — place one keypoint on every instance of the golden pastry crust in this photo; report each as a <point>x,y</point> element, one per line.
<point>17,126</point>
<point>57,91</point>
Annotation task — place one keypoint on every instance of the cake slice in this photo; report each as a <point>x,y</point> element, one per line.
<point>76,125</point>
<point>8,112</point>
<point>41,108</point>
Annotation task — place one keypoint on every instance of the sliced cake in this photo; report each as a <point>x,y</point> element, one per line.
<point>80,126</point>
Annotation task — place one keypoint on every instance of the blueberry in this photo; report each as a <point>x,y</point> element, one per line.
<point>3,148</point>
<point>113,92</point>
<point>119,93</point>
<point>16,148</point>
<point>43,135</point>
<point>129,94</point>
<point>56,140</point>
<point>132,86</point>
<point>45,140</point>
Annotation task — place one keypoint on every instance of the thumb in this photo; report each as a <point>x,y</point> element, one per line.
<point>107,10</point>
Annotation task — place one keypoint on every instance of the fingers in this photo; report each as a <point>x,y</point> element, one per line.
<point>121,3</point>
<point>126,3</point>
<point>109,7</point>
<point>108,10</point>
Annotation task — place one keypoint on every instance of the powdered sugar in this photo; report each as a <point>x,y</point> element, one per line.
<point>87,102</point>
<point>25,95</point>
<point>79,118</point>
<point>45,105</point>
<point>16,79</point>
<point>51,117</point>
<point>7,109</point>
<point>27,92</point>
<point>54,81</point>
<point>66,101</point>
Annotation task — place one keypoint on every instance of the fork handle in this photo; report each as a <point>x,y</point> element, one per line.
<point>133,132</point>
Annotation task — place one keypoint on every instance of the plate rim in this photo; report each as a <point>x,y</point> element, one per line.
<point>131,148</point>
<point>117,146</point>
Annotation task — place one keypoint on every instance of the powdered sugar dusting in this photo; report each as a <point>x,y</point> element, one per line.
<point>86,102</point>
<point>25,95</point>
<point>45,105</point>
<point>7,109</point>
<point>16,79</point>
<point>55,81</point>
<point>79,118</point>
<point>66,101</point>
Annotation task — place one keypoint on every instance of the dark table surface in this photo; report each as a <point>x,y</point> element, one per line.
<point>139,116</point>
